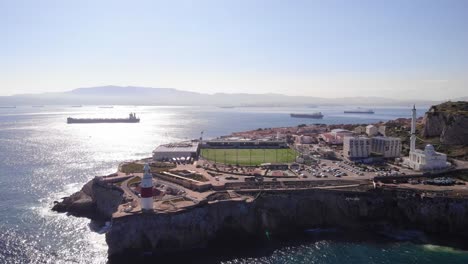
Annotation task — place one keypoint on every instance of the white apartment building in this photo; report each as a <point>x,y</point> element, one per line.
<point>356,147</point>
<point>371,130</point>
<point>388,147</point>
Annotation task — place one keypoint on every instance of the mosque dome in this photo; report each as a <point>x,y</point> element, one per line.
<point>429,149</point>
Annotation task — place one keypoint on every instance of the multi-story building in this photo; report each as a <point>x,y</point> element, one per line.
<point>356,147</point>
<point>371,130</point>
<point>388,147</point>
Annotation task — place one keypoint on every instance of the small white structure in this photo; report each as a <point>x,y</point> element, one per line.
<point>423,160</point>
<point>356,147</point>
<point>360,130</point>
<point>331,139</point>
<point>382,130</point>
<point>304,139</point>
<point>146,190</point>
<point>371,130</point>
<point>388,147</point>
<point>339,132</point>
<point>335,136</point>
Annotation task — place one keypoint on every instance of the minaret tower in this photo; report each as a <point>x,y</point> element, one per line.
<point>413,131</point>
<point>146,200</point>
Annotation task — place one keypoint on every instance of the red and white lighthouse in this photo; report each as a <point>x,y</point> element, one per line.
<point>146,200</point>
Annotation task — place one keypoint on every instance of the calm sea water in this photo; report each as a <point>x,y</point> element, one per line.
<point>43,159</point>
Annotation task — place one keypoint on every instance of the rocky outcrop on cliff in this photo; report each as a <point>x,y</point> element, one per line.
<point>449,121</point>
<point>78,204</point>
<point>285,214</point>
<point>96,200</point>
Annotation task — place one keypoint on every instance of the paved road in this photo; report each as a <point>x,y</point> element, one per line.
<point>128,191</point>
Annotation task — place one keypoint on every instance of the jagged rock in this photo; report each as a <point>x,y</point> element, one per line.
<point>449,121</point>
<point>96,200</point>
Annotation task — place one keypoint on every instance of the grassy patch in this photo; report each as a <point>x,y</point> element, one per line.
<point>132,168</point>
<point>249,156</point>
<point>460,107</point>
<point>133,181</point>
<point>197,177</point>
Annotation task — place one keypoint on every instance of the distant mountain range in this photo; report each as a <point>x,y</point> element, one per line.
<point>131,95</point>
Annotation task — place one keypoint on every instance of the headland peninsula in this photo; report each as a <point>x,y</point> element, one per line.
<point>405,174</point>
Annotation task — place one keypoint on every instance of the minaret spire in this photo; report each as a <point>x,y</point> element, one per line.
<point>413,130</point>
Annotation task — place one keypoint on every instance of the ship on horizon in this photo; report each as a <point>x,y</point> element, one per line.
<point>317,115</point>
<point>359,111</point>
<point>226,106</point>
<point>131,119</point>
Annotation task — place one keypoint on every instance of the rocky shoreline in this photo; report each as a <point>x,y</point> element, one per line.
<point>96,200</point>
<point>278,213</point>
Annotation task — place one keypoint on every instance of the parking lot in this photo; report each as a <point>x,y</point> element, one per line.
<point>330,169</point>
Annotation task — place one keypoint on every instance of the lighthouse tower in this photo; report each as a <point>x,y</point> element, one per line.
<point>146,200</point>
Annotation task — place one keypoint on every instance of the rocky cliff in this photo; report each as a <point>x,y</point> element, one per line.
<point>449,121</point>
<point>285,214</point>
<point>96,200</point>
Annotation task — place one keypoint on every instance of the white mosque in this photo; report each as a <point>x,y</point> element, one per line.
<point>423,160</point>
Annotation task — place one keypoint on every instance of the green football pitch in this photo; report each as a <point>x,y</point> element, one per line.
<point>249,156</point>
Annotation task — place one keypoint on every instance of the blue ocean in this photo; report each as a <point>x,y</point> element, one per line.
<point>42,158</point>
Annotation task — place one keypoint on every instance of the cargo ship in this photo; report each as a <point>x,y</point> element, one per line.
<point>131,119</point>
<point>317,115</point>
<point>359,111</point>
<point>226,106</point>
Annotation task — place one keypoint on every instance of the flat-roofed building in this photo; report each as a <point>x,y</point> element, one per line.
<point>176,150</point>
<point>339,132</point>
<point>372,130</point>
<point>356,147</point>
<point>305,139</point>
<point>388,147</point>
<point>382,130</point>
<point>359,130</point>
<point>331,139</point>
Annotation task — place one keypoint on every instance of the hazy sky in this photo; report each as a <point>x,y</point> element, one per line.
<point>320,48</point>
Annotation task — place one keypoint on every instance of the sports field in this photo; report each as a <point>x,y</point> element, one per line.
<point>249,156</point>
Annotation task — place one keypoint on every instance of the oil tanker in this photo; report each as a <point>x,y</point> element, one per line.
<point>317,115</point>
<point>131,119</point>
